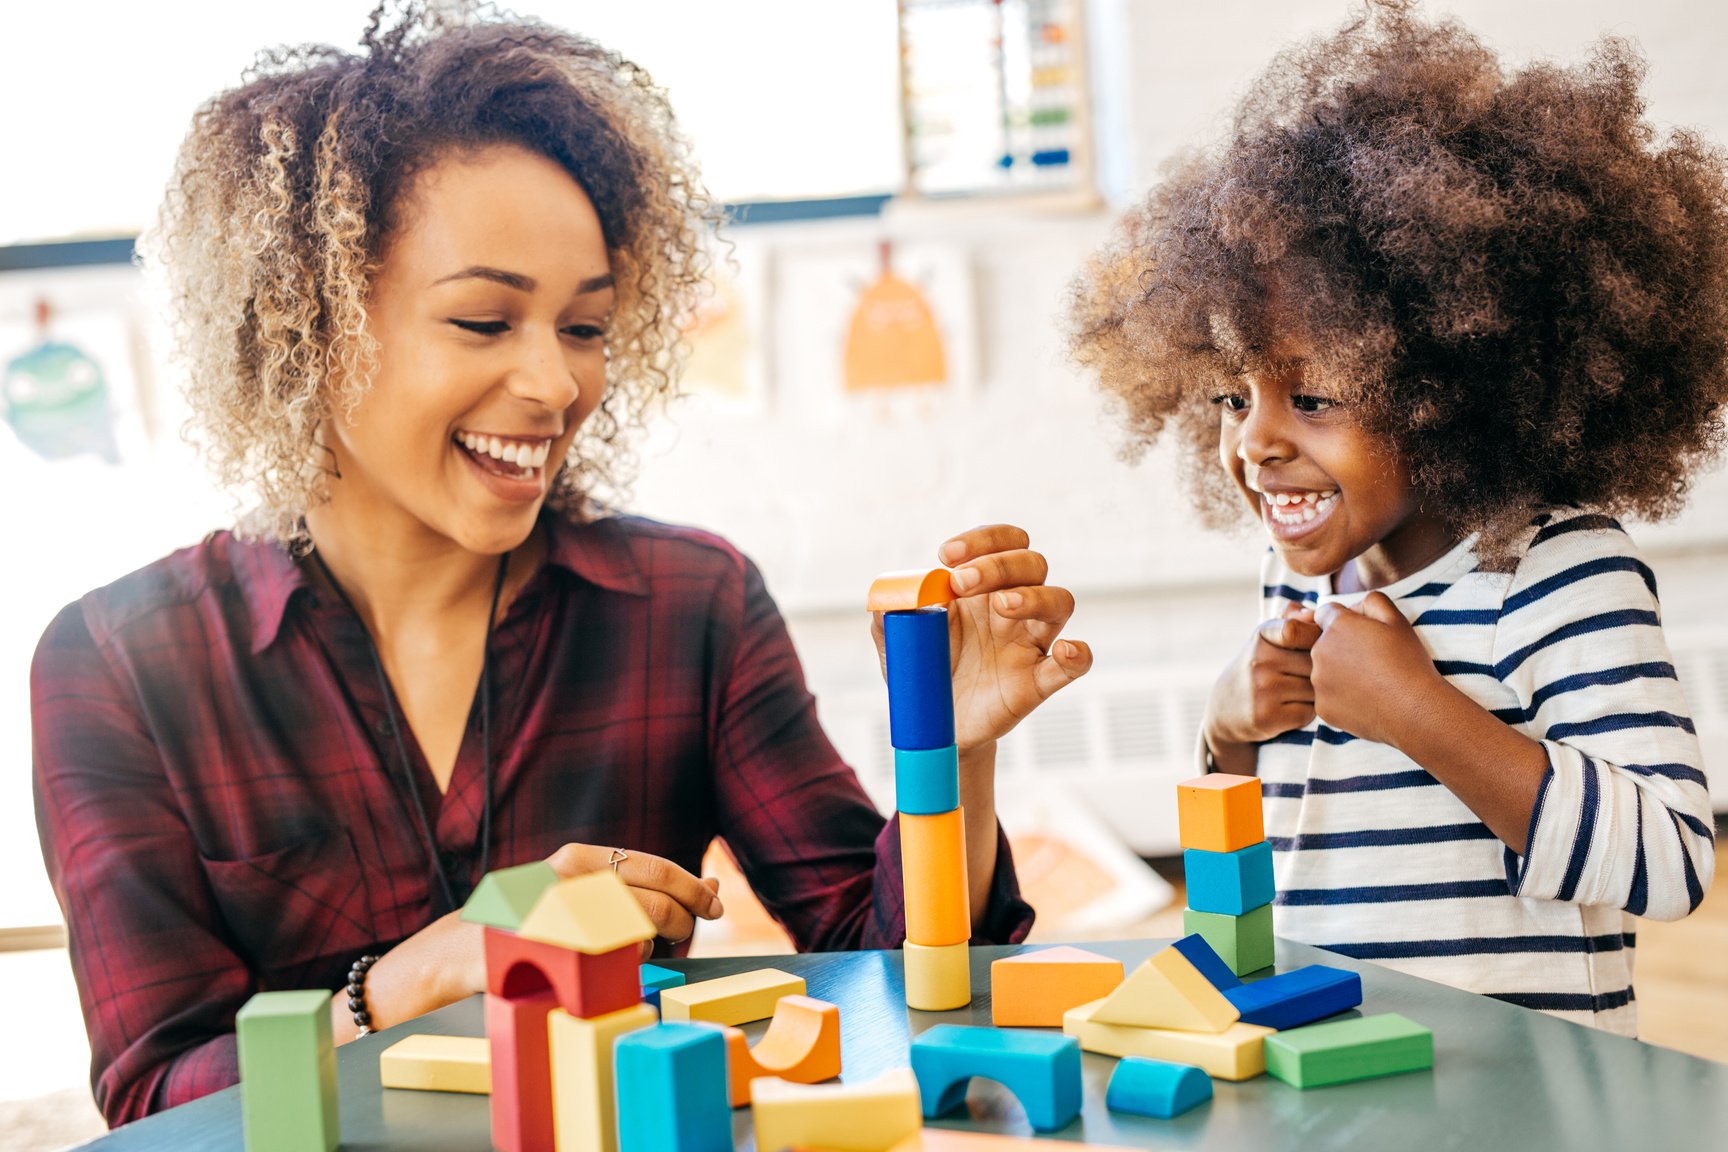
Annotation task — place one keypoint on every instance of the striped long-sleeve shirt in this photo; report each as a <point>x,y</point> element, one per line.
<point>1376,859</point>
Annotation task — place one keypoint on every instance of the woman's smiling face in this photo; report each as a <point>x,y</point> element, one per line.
<point>490,311</point>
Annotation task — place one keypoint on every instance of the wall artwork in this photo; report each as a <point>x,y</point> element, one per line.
<point>728,369</point>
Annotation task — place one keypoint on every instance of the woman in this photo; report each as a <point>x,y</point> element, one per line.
<point>423,293</point>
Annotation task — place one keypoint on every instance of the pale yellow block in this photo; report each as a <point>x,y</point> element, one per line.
<point>869,1117</point>
<point>592,913</point>
<point>1167,991</point>
<point>938,979</point>
<point>1237,1053</point>
<point>959,1140</point>
<point>438,1064</point>
<point>732,1000</point>
<point>582,1095</point>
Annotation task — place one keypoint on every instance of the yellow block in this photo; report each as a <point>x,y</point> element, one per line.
<point>1167,991</point>
<point>959,1140</point>
<point>933,866</point>
<point>1033,989</point>
<point>1237,1053</point>
<point>438,1064</point>
<point>592,913</point>
<point>736,999</point>
<point>938,979</point>
<point>582,1095</point>
<point>868,1117</point>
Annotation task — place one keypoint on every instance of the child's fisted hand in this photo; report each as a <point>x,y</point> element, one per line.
<point>1265,690</point>
<point>1370,672</point>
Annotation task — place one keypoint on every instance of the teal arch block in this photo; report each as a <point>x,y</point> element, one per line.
<point>1229,883</point>
<point>927,783</point>
<point>288,1072</point>
<point>1158,1088</point>
<point>673,1094</point>
<point>1301,996</point>
<point>656,979</point>
<point>1042,1069</point>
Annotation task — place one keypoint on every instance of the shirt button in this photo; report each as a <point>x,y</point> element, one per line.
<point>382,727</point>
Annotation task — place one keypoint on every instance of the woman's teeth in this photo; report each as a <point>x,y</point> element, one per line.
<point>1299,507</point>
<point>528,457</point>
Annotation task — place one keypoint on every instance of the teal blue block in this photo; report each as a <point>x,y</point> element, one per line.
<point>1156,1087</point>
<point>656,979</point>
<point>927,783</point>
<point>673,1094</point>
<point>1230,883</point>
<point>288,1073</point>
<point>1207,962</point>
<point>1292,999</point>
<point>1042,1069</point>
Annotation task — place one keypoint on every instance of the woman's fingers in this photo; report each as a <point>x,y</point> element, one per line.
<point>660,885</point>
<point>1000,570</point>
<point>981,541</point>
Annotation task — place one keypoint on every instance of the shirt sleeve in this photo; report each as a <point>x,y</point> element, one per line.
<point>816,852</point>
<point>159,987</point>
<point>1623,816</point>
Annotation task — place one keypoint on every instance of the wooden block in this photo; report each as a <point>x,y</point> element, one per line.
<point>739,999</point>
<point>672,1090</point>
<point>866,1117</point>
<point>504,897</point>
<point>1220,812</point>
<point>920,683</point>
<point>1033,989</point>
<point>933,866</point>
<point>938,979</point>
<point>1345,1050</point>
<point>430,1063</point>
<point>1243,942</point>
<point>1237,1053</point>
<point>1207,962</point>
<point>585,985</point>
<point>655,978</point>
<point>1229,882</point>
<point>1040,1068</point>
<point>1302,996</point>
<point>583,1113</point>
<point>1156,1087</point>
<point>906,589</point>
<point>593,913</point>
<point>802,1045</point>
<point>288,1072</point>
<point>961,1140</point>
<point>1167,991</point>
<point>927,783</point>
<point>516,1032</point>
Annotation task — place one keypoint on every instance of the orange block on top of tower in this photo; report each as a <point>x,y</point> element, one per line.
<point>1220,812</point>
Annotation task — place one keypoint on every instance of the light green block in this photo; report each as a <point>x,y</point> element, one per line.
<point>1243,942</point>
<point>288,1073</point>
<point>1344,1050</point>
<point>504,898</point>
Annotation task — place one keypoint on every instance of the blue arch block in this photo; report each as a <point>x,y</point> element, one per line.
<point>1230,883</point>
<point>920,684</point>
<point>1042,1069</point>
<point>673,1094</point>
<point>1156,1088</point>
<point>927,783</point>
<point>1301,996</point>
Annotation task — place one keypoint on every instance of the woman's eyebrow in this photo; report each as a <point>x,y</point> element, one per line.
<point>520,282</point>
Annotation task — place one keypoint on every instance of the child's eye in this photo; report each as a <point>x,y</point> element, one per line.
<point>1306,403</point>
<point>1230,401</point>
<point>482,327</point>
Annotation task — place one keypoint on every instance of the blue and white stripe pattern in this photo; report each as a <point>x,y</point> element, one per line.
<point>1375,859</point>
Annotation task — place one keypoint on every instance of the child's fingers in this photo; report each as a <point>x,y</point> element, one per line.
<point>1291,633</point>
<point>982,540</point>
<point>1376,606</point>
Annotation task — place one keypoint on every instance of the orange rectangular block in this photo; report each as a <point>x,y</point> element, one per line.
<point>933,859</point>
<point>1033,989</point>
<point>1220,812</point>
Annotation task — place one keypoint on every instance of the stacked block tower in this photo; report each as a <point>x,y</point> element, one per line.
<point>1228,867</point>
<point>927,786</point>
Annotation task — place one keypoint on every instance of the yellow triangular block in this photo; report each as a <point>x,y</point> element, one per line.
<point>1168,992</point>
<point>592,914</point>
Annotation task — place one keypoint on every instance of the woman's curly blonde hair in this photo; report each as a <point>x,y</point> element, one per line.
<point>285,192</point>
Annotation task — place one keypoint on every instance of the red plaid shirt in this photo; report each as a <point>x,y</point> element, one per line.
<point>219,816</point>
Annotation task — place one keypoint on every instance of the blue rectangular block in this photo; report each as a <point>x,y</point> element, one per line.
<point>673,1093</point>
<point>1229,883</point>
<point>920,682</point>
<point>1301,996</point>
<point>1207,962</point>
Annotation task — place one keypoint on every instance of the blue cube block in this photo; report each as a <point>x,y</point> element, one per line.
<point>1300,996</point>
<point>1156,1087</point>
<point>673,1094</point>
<point>927,783</point>
<point>920,683</point>
<point>1229,883</point>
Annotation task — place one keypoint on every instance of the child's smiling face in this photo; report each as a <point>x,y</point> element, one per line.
<point>1325,489</point>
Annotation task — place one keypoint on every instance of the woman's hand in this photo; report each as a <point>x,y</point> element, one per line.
<point>1371,672</point>
<point>1264,692</point>
<point>1003,633</point>
<point>673,898</point>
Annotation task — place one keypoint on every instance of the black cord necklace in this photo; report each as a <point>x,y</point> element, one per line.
<point>447,890</point>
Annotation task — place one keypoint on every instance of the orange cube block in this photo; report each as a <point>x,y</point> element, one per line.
<point>1220,812</point>
<point>933,860</point>
<point>1034,989</point>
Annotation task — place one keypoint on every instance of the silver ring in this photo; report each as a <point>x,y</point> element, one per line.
<point>618,857</point>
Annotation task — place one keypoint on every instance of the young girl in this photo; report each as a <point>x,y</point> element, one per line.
<point>1441,325</point>
<point>423,292</point>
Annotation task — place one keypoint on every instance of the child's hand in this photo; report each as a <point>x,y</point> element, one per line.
<point>1265,691</point>
<point>1371,672</point>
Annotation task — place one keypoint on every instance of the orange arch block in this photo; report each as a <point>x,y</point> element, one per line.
<point>933,860</point>
<point>1220,812</point>
<point>802,1045</point>
<point>904,591</point>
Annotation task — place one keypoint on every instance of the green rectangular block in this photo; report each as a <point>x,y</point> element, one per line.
<point>288,1073</point>
<point>1243,942</point>
<point>1344,1050</point>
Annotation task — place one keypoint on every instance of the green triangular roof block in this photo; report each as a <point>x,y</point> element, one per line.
<point>505,897</point>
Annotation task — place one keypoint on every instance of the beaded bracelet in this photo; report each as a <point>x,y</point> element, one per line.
<point>357,994</point>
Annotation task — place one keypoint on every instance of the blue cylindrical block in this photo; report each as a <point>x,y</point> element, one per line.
<point>920,684</point>
<point>1156,1087</point>
<point>927,783</point>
